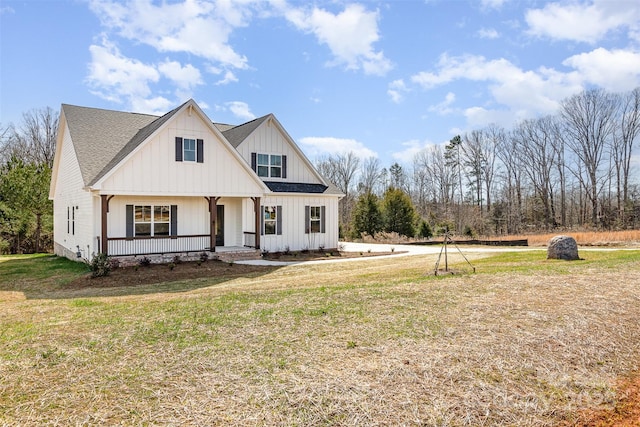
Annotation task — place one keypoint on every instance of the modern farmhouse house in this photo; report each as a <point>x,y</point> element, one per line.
<point>136,184</point>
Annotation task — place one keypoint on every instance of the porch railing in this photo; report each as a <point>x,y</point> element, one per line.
<point>120,246</point>
<point>250,239</point>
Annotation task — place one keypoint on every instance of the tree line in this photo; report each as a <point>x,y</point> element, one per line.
<point>26,159</point>
<point>572,169</point>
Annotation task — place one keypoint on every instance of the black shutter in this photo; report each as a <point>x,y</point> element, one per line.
<point>200,150</point>
<point>254,162</point>
<point>279,220</point>
<point>129,221</point>
<point>284,166</point>
<point>178,149</point>
<point>307,219</point>
<point>173,227</point>
<point>322,220</point>
<point>261,220</point>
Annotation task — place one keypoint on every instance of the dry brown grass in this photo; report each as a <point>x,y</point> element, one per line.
<point>526,342</point>
<point>587,238</point>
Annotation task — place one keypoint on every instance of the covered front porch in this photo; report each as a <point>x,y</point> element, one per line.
<point>148,225</point>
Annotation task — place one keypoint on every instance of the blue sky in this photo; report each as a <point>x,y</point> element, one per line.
<point>379,78</point>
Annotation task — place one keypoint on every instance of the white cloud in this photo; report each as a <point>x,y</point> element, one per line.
<point>184,77</point>
<point>194,26</point>
<point>492,4</point>
<point>412,147</point>
<point>614,70</point>
<point>586,22</point>
<point>229,77</point>
<point>318,146</point>
<point>488,33</point>
<point>444,107</point>
<point>115,77</point>
<point>350,36</point>
<point>396,90</point>
<point>521,93</point>
<point>240,110</point>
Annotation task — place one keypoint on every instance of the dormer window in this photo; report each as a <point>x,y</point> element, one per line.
<point>269,165</point>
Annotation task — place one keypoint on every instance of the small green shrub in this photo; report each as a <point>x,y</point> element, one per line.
<point>100,265</point>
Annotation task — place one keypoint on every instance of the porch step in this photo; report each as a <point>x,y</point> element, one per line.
<point>237,255</point>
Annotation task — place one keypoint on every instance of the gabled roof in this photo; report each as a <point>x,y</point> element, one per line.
<point>100,135</point>
<point>138,139</point>
<point>239,133</point>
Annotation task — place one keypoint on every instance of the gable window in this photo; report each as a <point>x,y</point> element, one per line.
<point>269,165</point>
<point>189,147</point>
<point>314,219</point>
<point>189,150</point>
<point>152,220</point>
<point>271,220</point>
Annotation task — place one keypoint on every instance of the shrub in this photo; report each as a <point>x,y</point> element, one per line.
<point>100,265</point>
<point>144,262</point>
<point>204,256</point>
<point>177,260</point>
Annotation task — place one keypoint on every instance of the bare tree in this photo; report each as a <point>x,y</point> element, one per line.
<point>494,135</point>
<point>627,131</point>
<point>474,162</point>
<point>371,176</point>
<point>341,170</point>
<point>589,123</point>
<point>508,151</point>
<point>536,140</point>
<point>34,140</point>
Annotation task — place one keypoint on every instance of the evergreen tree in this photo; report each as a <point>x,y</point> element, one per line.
<point>425,230</point>
<point>367,217</point>
<point>26,214</point>
<point>398,212</point>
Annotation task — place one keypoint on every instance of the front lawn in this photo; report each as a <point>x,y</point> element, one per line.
<point>525,341</point>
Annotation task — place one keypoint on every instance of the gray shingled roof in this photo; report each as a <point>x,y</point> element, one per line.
<point>239,133</point>
<point>100,135</point>
<point>103,138</point>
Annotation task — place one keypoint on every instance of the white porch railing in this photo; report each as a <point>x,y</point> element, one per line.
<point>249,239</point>
<point>120,246</point>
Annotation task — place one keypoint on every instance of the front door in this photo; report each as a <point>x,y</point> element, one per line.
<point>220,225</point>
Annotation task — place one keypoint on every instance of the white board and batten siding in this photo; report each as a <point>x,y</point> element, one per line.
<point>153,169</point>
<point>293,235</point>
<point>70,196</point>
<point>267,139</point>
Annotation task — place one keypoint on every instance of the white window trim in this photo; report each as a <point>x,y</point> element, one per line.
<point>152,222</point>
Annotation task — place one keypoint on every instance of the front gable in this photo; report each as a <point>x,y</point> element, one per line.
<point>184,156</point>
<point>269,138</point>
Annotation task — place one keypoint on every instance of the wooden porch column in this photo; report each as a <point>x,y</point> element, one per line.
<point>104,205</point>
<point>256,209</point>
<point>213,218</point>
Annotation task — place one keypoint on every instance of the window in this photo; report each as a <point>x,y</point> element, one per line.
<point>189,150</point>
<point>270,165</point>
<point>271,221</point>
<point>189,147</point>
<point>152,220</point>
<point>314,219</point>
<point>71,220</point>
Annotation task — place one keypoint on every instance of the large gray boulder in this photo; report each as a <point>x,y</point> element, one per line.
<point>563,247</point>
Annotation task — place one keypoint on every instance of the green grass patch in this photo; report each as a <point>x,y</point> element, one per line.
<point>521,342</point>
